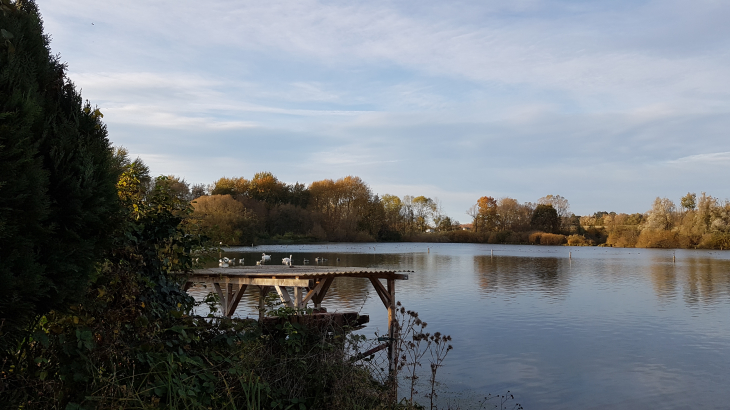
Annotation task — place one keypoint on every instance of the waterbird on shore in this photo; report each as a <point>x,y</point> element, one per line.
<point>222,263</point>
<point>265,257</point>
<point>306,260</point>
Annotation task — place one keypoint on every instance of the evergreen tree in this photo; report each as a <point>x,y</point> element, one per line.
<point>57,177</point>
<point>545,218</point>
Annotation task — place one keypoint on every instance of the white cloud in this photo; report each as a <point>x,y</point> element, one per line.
<point>700,159</point>
<point>607,103</point>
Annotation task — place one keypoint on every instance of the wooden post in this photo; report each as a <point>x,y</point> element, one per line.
<point>298,298</point>
<point>393,339</point>
<point>263,290</point>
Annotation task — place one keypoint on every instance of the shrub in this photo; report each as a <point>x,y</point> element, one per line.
<point>715,241</point>
<point>624,237</point>
<point>657,239</point>
<point>552,239</point>
<point>579,240</point>
<point>542,238</point>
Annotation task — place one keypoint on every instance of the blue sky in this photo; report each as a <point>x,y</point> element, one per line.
<point>607,103</point>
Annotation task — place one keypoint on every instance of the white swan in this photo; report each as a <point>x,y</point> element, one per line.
<point>265,257</point>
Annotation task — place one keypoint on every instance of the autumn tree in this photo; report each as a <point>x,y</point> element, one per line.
<point>423,209</point>
<point>487,216</point>
<point>560,204</point>
<point>179,187</point>
<point>198,190</point>
<point>689,202</point>
<point>265,187</point>
<point>224,219</point>
<point>661,216</point>
<point>392,208</point>
<point>230,186</point>
<point>342,203</point>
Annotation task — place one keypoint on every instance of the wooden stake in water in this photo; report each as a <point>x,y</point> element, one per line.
<point>570,255</point>
<point>674,258</point>
<point>492,252</point>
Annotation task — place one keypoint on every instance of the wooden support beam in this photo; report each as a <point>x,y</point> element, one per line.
<point>221,295</point>
<point>319,296</point>
<point>382,292</point>
<point>234,298</point>
<point>263,290</point>
<point>284,296</point>
<point>313,291</point>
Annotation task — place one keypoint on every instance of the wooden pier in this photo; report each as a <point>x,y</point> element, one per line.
<point>309,283</point>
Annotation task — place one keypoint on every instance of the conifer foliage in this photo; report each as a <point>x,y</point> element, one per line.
<point>57,178</point>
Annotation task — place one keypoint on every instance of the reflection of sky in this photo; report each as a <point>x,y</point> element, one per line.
<point>608,103</point>
<point>607,328</point>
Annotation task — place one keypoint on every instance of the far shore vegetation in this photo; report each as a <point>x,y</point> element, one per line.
<point>263,209</point>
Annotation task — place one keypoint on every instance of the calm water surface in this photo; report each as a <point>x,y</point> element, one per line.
<point>609,328</point>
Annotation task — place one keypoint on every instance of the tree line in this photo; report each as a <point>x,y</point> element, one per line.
<point>265,209</point>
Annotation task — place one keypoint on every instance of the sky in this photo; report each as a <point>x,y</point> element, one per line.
<point>607,103</point>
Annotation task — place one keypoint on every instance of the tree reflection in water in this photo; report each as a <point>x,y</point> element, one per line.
<point>510,274</point>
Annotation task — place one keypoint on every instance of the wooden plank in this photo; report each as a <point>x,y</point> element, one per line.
<point>369,352</point>
<point>284,296</point>
<point>384,295</point>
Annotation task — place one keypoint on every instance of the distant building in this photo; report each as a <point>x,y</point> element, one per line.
<point>466,227</point>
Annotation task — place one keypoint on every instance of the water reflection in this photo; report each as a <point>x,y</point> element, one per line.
<point>611,328</point>
<point>509,274</point>
<point>698,280</point>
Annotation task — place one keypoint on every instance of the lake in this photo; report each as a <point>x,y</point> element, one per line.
<point>607,328</point>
